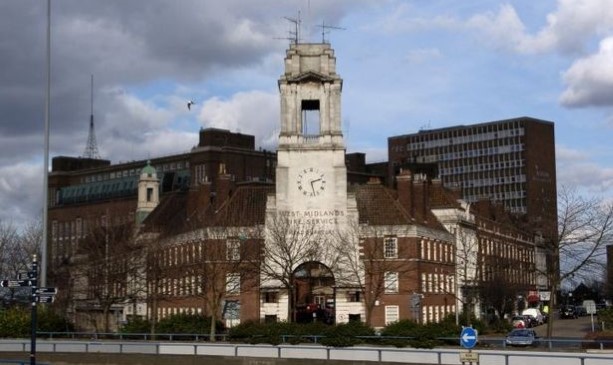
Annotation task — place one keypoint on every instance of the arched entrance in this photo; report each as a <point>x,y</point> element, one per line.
<point>314,293</point>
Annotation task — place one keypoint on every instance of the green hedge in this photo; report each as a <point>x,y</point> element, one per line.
<point>16,322</point>
<point>188,323</point>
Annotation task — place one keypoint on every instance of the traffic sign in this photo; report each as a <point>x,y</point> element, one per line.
<point>48,291</point>
<point>468,337</point>
<point>16,283</point>
<point>26,275</point>
<point>469,356</point>
<point>45,298</point>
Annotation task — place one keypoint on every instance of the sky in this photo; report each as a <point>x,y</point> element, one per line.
<point>406,66</point>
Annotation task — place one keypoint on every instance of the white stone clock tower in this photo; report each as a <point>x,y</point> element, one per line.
<point>311,187</point>
<point>311,172</point>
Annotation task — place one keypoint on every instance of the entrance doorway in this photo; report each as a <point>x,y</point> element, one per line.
<point>314,293</point>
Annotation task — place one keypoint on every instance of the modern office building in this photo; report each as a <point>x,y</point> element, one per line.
<point>509,161</point>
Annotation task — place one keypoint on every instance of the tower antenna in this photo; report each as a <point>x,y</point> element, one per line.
<point>325,29</point>
<point>91,148</point>
<point>294,35</point>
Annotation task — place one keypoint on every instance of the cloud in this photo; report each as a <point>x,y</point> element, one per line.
<point>590,80</point>
<point>21,191</point>
<point>254,112</point>
<point>568,29</point>
<point>577,169</point>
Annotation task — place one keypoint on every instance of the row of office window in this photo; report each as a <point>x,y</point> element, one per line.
<point>437,283</point>
<point>192,285</point>
<point>171,166</point>
<point>193,252</point>
<point>430,313</point>
<point>436,251</point>
<point>506,250</point>
<point>467,135</point>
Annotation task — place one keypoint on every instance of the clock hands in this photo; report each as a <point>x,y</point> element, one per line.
<point>313,187</point>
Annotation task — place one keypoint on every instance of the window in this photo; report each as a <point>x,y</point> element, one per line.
<point>149,194</point>
<point>391,314</point>
<point>390,247</point>
<point>354,296</point>
<point>391,282</point>
<point>233,283</point>
<point>233,249</point>
<point>271,297</point>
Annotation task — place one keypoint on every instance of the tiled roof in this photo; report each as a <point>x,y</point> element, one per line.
<point>246,207</point>
<point>169,216</point>
<point>378,205</point>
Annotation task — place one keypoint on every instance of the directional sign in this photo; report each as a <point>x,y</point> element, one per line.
<point>468,337</point>
<point>48,291</point>
<point>45,299</point>
<point>469,356</point>
<point>17,283</point>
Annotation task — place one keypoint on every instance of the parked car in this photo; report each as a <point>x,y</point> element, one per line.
<point>568,311</point>
<point>581,311</point>
<point>519,322</point>
<point>530,321</point>
<point>522,337</point>
<point>534,313</point>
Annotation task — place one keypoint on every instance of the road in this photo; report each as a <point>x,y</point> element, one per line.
<point>569,328</point>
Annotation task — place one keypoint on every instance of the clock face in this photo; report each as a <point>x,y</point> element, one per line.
<point>311,182</point>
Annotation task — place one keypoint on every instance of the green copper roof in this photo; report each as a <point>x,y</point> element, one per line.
<point>148,170</point>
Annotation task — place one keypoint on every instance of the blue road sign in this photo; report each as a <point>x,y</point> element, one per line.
<point>468,337</point>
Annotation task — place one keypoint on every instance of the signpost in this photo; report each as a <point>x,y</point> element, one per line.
<point>38,295</point>
<point>468,340</point>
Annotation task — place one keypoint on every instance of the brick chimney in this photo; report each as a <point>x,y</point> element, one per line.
<point>199,198</point>
<point>224,186</point>
<point>421,197</point>
<point>404,186</point>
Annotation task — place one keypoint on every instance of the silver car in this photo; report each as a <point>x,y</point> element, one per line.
<point>522,337</point>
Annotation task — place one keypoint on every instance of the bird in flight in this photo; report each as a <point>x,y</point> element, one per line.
<point>189,104</point>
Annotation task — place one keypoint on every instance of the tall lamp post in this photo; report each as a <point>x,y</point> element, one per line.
<point>43,249</point>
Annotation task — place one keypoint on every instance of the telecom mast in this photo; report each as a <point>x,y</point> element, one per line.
<point>91,148</point>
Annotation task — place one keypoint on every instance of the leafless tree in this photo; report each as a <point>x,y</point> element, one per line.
<point>108,257</point>
<point>290,241</point>
<point>585,227</point>
<point>17,250</point>
<point>363,261</point>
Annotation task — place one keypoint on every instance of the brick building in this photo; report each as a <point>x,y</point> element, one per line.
<point>308,233</point>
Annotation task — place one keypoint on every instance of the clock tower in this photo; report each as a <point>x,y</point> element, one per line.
<point>311,173</point>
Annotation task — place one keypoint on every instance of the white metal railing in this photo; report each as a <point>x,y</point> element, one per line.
<point>358,353</point>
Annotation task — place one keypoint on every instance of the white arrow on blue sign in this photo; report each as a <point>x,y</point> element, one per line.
<point>468,337</point>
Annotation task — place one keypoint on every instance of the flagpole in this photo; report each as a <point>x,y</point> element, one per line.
<point>43,258</point>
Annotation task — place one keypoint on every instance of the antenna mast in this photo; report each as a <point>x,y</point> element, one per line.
<point>294,35</point>
<point>91,148</point>
<point>325,29</point>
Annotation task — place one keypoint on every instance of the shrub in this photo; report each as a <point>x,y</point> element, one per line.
<point>606,316</point>
<point>17,322</point>
<point>187,323</point>
<point>404,328</point>
<point>136,325</point>
<point>49,321</point>
<point>343,335</point>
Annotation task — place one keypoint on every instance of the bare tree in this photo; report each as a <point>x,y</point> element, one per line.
<point>9,237</point>
<point>367,254</point>
<point>109,253</point>
<point>17,249</point>
<point>290,241</point>
<point>585,227</point>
